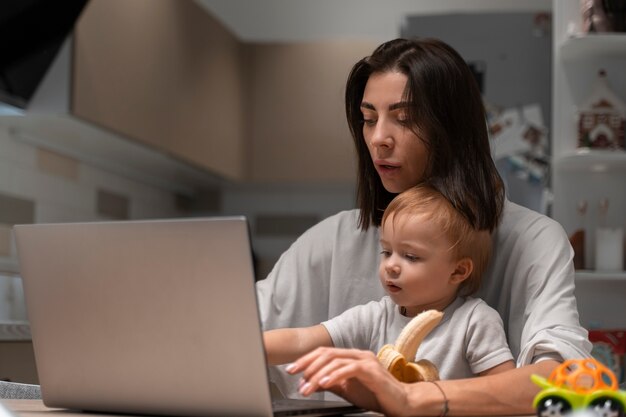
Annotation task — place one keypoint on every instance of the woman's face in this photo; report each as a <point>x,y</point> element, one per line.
<point>399,155</point>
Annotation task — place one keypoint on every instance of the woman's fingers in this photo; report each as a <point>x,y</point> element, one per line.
<point>355,375</point>
<point>328,367</point>
<point>318,364</point>
<point>335,372</point>
<point>313,360</point>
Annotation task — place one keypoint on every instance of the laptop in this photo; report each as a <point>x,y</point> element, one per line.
<point>152,317</point>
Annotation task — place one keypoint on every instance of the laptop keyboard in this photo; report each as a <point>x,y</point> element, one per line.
<point>294,407</point>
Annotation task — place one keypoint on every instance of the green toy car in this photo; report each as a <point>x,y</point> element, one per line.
<point>579,384</point>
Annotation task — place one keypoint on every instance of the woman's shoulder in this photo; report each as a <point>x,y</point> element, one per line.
<point>520,221</point>
<point>515,214</point>
<point>343,225</point>
<point>345,218</point>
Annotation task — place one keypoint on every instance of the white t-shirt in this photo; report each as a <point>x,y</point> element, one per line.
<point>530,282</point>
<point>469,339</point>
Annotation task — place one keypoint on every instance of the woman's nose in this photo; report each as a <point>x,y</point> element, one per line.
<point>381,136</point>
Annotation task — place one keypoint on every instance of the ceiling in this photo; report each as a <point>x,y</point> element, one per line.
<point>312,20</point>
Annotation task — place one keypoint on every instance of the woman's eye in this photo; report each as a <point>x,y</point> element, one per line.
<point>403,121</point>
<point>369,122</point>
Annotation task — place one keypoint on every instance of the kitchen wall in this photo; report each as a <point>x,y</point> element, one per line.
<point>279,213</point>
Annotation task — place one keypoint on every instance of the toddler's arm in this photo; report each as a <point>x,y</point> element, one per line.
<point>287,345</point>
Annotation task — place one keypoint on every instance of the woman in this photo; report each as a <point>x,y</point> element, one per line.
<point>416,114</point>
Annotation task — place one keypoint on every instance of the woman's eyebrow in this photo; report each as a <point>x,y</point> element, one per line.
<point>394,106</point>
<point>399,105</point>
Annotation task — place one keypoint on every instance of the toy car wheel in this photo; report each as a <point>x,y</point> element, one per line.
<point>553,406</point>
<point>607,407</point>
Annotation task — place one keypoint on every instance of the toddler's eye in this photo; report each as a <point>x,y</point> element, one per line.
<point>411,257</point>
<point>385,253</point>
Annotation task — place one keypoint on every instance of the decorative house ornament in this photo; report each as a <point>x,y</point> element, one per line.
<point>602,118</point>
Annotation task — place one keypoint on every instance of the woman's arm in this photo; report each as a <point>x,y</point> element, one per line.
<point>359,378</point>
<point>505,393</point>
<point>531,283</point>
<point>286,345</point>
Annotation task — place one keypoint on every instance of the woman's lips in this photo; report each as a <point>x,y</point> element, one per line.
<point>385,167</point>
<point>385,163</point>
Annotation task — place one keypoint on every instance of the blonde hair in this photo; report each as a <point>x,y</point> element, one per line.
<point>467,242</point>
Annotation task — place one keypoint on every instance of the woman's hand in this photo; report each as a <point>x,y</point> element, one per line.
<point>355,375</point>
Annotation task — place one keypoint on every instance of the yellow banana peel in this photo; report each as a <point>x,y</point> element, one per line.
<point>398,358</point>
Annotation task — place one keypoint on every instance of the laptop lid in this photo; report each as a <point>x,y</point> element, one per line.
<point>148,317</point>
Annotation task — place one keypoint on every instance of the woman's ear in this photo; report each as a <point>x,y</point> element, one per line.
<point>464,268</point>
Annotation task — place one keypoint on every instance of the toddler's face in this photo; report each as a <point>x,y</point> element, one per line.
<point>416,263</point>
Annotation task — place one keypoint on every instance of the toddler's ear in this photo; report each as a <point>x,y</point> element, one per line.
<point>463,269</point>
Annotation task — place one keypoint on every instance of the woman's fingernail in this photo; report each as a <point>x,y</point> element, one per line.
<point>301,382</point>
<point>290,367</point>
<point>324,380</point>
<point>305,388</point>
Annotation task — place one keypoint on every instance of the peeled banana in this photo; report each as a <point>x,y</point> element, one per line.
<point>398,358</point>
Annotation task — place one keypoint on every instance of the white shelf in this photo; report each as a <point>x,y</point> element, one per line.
<point>589,174</point>
<point>589,46</point>
<point>591,160</point>
<point>600,276</point>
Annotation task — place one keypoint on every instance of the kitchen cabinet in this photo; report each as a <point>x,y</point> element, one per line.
<point>587,177</point>
<point>168,76</point>
<point>185,85</point>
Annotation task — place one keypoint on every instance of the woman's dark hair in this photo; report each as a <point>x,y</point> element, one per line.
<point>446,106</point>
